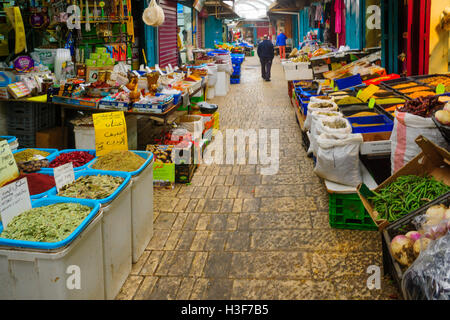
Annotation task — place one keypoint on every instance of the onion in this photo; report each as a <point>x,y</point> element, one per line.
<point>447,214</point>
<point>413,235</point>
<point>447,106</point>
<point>436,212</point>
<point>443,116</point>
<point>402,250</point>
<point>421,245</point>
<point>437,231</point>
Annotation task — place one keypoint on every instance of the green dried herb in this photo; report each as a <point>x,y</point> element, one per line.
<point>91,187</point>
<point>119,161</point>
<point>51,223</point>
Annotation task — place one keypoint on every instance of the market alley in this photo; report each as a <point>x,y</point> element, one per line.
<point>236,234</point>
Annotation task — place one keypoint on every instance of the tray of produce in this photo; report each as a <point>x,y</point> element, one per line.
<point>434,80</point>
<point>388,109</point>
<point>377,123</point>
<point>405,239</point>
<point>424,107</point>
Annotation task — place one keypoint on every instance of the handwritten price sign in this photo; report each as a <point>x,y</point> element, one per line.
<point>14,199</point>
<point>110,132</point>
<point>8,166</point>
<point>64,175</point>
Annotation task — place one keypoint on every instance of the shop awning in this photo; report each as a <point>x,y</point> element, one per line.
<point>220,9</point>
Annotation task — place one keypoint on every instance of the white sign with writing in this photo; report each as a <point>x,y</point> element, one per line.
<point>14,199</point>
<point>64,175</point>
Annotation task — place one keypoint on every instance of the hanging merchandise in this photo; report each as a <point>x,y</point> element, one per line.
<point>88,24</point>
<point>15,18</point>
<point>153,15</point>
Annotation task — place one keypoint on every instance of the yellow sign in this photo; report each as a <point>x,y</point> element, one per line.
<point>8,165</point>
<point>367,93</point>
<point>110,132</point>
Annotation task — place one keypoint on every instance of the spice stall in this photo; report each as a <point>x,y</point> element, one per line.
<point>360,126</point>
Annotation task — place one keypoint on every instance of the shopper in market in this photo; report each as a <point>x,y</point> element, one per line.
<point>179,47</point>
<point>266,55</point>
<point>281,43</point>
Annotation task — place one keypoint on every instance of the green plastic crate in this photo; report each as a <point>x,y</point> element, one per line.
<point>348,212</point>
<point>198,99</point>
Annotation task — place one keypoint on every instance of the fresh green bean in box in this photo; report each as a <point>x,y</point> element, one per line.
<point>423,179</point>
<point>406,194</point>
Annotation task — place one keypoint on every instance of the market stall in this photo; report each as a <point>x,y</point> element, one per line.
<point>360,127</point>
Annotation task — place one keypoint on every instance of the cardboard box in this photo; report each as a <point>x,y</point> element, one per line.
<point>298,73</point>
<point>163,172</point>
<point>184,173</point>
<point>433,160</point>
<point>53,138</point>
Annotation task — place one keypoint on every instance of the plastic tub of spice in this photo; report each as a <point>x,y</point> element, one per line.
<point>141,196</point>
<point>40,270</point>
<point>40,183</point>
<point>29,154</point>
<point>116,227</point>
<point>80,159</point>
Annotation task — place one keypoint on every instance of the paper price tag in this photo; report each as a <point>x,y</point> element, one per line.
<point>319,89</point>
<point>371,103</point>
<point>368,92</point>
<point>14,199</point>
<point>440,89</point>
<point>8,165</point>
<point>64,175</point>
<point>158,69</point>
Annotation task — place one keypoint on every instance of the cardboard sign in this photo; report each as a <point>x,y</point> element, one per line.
<point>365,94</point>
<point>8,165</point>
<point>164,172</point>
<point>64,175</point>
<point>110,132</point>
<point>14,199</point>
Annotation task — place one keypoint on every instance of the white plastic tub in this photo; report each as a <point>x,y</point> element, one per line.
<point>141,205</point>
<point>27,274</point>
<point>142,211</point>
<point>116,230</point>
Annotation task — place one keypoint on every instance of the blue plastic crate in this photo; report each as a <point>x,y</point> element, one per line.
<point>53,157</point>
<point>127,177</point>
<point>10,139</point>
<point>388,124</point>
<point>148,156</point>
<point>94,205</point>
<point>348,82</point>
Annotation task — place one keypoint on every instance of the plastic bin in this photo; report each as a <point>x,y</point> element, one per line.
<point>348,82</point>
<point>347,212</point>
<point>141,205</point>
<point>55,155</point>
<point>387,124</point>
<point>116,232</point>
<point>35,270</point>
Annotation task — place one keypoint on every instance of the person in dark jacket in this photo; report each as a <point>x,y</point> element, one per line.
<point>266,55</point>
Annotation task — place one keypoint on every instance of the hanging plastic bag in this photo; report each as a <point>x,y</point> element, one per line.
<point>338,158</point>
<point>153,15</point>
<point>315,116</point>
<point>407,127</point>
<point>428,278</point>
<point>319,106</point>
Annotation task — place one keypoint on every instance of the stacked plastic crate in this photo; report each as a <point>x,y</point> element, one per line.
<point>24,120</point>
<point>237,60</point>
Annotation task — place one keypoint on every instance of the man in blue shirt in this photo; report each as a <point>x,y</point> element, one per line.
<point>281,43</point>
<point>266,55</point>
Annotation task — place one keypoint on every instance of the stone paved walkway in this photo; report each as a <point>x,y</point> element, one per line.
<point>236,234</point>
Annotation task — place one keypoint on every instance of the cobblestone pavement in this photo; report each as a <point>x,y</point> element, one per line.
<point>236,234</point>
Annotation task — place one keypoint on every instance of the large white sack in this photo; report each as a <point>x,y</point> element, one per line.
<point>407,127</point>
<point>315,116</point>
<point>338,158</point>
<point>314,106</point>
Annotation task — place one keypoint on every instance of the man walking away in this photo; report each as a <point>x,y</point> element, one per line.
<point>266,55</point>
<point>281,43</point>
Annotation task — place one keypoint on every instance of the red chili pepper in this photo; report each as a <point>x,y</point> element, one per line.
<point>78,159</point>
